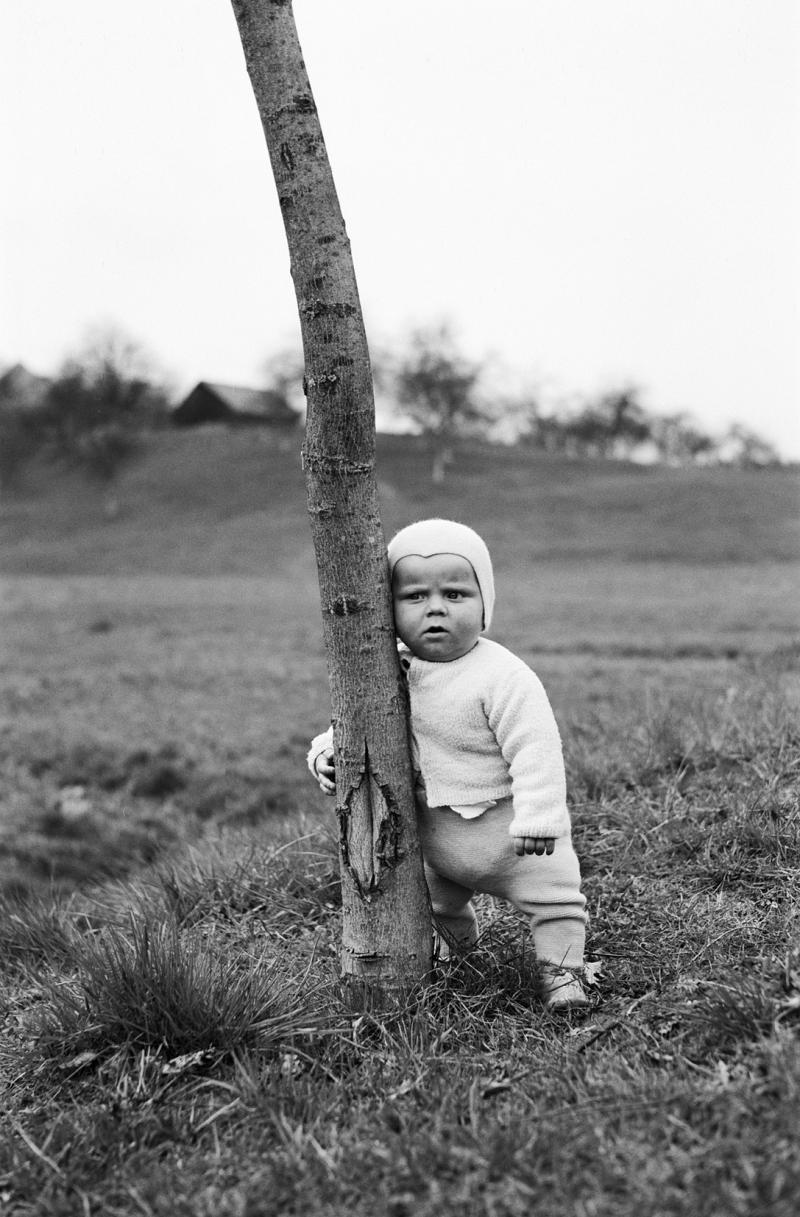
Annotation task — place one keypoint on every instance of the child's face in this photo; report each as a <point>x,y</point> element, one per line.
<point>438,610</point>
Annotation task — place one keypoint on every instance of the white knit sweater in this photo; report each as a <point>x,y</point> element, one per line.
<point>483,730</point>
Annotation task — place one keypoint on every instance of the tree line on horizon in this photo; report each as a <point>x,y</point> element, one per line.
<point>448,396</point>
<point>106,397</point>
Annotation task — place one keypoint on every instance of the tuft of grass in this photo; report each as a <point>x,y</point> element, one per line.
<point>744,1009</point>
<point>152,986</point>
<point>33,930</point>
<point>292,886</point>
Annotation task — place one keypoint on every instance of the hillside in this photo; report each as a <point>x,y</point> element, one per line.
<point>216,502</point>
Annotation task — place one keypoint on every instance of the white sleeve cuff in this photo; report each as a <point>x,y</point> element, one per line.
<point>530,825</point>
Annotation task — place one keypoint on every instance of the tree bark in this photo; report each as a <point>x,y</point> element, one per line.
<point>387,940</point>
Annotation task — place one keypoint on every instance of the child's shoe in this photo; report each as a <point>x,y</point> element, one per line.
<point>561,988</point>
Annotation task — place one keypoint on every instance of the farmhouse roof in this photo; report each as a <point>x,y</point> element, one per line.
<point>19,387</point>
<point>209,400</point>
<point>250,401</point>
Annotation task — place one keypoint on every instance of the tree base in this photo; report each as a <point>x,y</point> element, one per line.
<point>381,992</point>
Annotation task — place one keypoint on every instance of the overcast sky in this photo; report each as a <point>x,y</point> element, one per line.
<point>595,191</point>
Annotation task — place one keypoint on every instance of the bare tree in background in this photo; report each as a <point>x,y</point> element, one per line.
<point>92,415</point>
<point>284,374</point>
<point>387,941</point>
<point>104,398</point>
<point>741,446</point>
<point>613,425</point>
<point>436,387</point>
<point>680,441</point>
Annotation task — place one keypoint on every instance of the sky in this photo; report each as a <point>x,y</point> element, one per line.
<point>591,192</point>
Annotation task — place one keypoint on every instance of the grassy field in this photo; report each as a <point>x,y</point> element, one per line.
<point>174,1038</point>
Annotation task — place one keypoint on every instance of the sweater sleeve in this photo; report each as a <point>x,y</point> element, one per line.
<point>319,744</point>
<point>523,723</point>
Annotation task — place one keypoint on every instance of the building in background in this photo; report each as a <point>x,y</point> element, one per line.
<point>21,389</point>
<point>235,405</point>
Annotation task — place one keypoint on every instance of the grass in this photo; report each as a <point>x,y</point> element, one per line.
<point>175,1040</point>
<point>179,512</point>
<point>151,986</point>
<point>178,1042</point>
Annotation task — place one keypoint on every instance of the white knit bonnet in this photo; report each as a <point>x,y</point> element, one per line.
<point>429,537</point>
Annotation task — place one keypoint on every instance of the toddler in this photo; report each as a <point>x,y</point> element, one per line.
<point>490,784</point>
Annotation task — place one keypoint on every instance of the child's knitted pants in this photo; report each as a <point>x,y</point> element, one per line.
<point>467,856</point>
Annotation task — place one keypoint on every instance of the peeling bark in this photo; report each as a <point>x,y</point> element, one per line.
<point>387,940</point>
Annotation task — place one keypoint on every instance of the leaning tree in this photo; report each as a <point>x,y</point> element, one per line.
<point>387,940</point>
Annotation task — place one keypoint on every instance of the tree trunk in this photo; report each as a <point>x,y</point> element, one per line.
<point>442,457</point>
<point>387,940</point>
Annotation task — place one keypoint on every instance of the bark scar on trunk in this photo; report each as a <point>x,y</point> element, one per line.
<point>344,606</point>
<point>386,851</point>
<point>323,308</point>
<point>387,843</point>
<point>326,382</point>
<point>334,465</point>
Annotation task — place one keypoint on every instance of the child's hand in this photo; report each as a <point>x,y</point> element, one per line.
<point>534,845</point>
<point>325,772</point>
